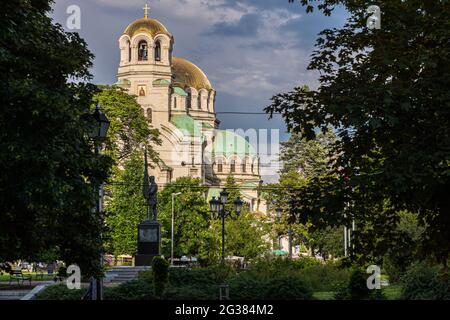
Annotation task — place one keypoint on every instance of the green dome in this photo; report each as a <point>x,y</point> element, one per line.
<point>186,124</point>
<point>228,143</point>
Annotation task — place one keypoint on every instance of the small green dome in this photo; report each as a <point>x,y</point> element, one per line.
<point>228,143</point>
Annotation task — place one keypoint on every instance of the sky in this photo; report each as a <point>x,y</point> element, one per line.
<point>249,49</point>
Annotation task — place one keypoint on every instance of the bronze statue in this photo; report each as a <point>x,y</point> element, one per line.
<point>150,192</point>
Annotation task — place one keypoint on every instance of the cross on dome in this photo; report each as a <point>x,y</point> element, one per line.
<point>146,10</point>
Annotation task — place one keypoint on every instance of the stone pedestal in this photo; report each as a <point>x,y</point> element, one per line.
<point>149,242</point>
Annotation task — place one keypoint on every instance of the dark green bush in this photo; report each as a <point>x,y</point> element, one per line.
<point>423,282</point>
<point>248,285</point>
<point>324,277</point>
<point>356,288</point>
<point>192,293</point>
<point>132,290</point>
<point>160,271</point>
<point>60,292</point>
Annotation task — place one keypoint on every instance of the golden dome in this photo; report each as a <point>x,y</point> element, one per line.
<point>187,74</point>
<point>151,26</point>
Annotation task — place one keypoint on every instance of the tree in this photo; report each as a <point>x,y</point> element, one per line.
<point>302,162</point>
<point>192,233</point>
<point>126,206</point>
<point>327,242</point>
<point>48,164</point>
<point>129,129</point>
<point>129,132</point>
<point>386,93</point>
<point>245,236</point>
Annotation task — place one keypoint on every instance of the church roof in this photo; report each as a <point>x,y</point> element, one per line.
<point>187,74</point>
<point>186,124</point>
<point>146,25</point>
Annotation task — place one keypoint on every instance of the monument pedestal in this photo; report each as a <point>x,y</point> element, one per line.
<point>149,240</point>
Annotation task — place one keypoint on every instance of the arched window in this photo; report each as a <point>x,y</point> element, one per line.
<point>188,99</point>
<point>199,101</point>
<point>219,166</point>
<point>158,51</point>
<point>233,166</point>
<point>244,165</point>
<point>143,51</point>
<point>174,102</point>
<point>253,166</point>
<point>149,115</point>
<point>129,51</point>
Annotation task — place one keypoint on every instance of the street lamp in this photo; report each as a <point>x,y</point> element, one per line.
<point>218,212</point>
<point>99,129</point>
<point>279,212</point>
<point>173,215</point>
<point>99,125</point>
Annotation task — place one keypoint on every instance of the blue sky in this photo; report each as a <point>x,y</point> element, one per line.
<point>249,49</point>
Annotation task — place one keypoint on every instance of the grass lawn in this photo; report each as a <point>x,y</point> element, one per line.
<point>324,295</point>
<point>392,292</point>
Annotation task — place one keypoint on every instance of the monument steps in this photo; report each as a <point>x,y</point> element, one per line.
<point>123,274</point>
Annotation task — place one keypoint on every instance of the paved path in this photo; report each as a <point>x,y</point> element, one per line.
<point>19,293</point>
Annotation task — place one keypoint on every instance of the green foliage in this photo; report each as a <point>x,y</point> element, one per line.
<point>250,286</point>
<point>385,91</point>
<point>356,288</point>
<point>309,158</point>
<point>160,275</point>
<point>423,282</point>
<point>129,128</point>
<point>327,241</point>
<point>245,235</point>
<point>303,161</point>
<point>398,259</point>
<point>49,167</point>
<point>266,268</point>
<point>60,292</point>
<point>129,131</point>
<point>325,277</point>
<point>126,206</point>
<point>131,290</point>
<point>196,234</point>
<point>192,235</point>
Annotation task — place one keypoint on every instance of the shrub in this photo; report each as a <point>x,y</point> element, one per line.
<point>270,267</point>
<point>356,288</point>
<point>423,282</point>
<point>248,285</point>
<point>191,293</point>
<point>60,292</point>
<point>132,290</point>
<point>160,275</point>
<point>325,277</point>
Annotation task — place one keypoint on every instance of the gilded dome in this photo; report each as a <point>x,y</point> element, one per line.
<point>187,74</point>
<point>151,26</point>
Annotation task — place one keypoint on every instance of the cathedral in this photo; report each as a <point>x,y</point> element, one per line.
<point>179,100</point>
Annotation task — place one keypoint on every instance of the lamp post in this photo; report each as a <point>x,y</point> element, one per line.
<point>99,125</point>
<point>173,218</point>
<point>279,215</point>
<point>218,212</point>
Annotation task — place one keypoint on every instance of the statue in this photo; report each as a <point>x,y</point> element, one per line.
<point>150,192</point>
